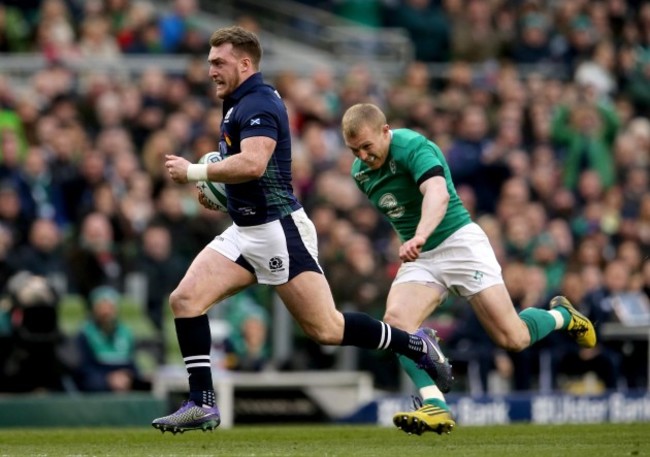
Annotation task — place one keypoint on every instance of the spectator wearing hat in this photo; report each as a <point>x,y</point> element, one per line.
<point>107,347</point>
<point>581,38</point>
<point>534,43</point>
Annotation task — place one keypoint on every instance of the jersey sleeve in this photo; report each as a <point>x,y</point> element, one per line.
<point>257,118</point>
<point>422,160</point>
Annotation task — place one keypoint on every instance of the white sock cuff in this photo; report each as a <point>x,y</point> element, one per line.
<point>432,391</point>
<point>559,319</point>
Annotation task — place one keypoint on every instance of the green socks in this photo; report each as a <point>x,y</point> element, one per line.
<point>436,402</point>
<point>540,322</point>
<point>419,377</point>
<point>422,382</point>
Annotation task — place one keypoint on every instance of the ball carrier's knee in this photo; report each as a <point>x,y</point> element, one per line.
<point>328,331</point>
<point>183,304</point>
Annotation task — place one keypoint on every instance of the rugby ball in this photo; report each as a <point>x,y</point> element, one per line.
<point>215,192</point>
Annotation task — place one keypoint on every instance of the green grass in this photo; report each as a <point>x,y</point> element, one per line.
<point>286,441</point>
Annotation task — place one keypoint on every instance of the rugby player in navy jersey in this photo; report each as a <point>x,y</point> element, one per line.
<point>271,240</point>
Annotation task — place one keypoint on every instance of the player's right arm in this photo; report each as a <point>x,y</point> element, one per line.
<point>248,165</point>
<point>434,207</point>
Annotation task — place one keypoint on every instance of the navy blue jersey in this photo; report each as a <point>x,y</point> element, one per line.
<point>256,109</point>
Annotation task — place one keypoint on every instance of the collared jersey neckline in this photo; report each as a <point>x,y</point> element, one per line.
<point>245,87</point>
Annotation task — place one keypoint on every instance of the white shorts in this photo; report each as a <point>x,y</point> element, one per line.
<point>463,264</point>
<point>274,252</point>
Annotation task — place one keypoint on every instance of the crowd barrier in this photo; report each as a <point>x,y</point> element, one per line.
<point>615,407</point>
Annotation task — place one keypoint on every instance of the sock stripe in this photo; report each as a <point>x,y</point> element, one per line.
<point>388,335</point>
<point>197,365</point>
<point>363,331</point>
<point>384,341</point>
<point>197,361</point>
<point>196,357</point>
<point>383,335</point>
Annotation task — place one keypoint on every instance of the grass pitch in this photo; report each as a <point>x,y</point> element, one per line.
<point>336,440</point>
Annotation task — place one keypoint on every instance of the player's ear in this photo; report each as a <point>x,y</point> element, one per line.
<point>245,64</point>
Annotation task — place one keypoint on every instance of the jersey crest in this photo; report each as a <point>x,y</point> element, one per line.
<point>391,207</point>
<point>228,113</point>
<point>393,166</point>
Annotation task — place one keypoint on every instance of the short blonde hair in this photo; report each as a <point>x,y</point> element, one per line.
<point>241,40</point>
<point>360,115</point>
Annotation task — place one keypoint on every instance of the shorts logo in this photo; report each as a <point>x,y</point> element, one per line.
<point>478,276</point>
<point>276,264</point>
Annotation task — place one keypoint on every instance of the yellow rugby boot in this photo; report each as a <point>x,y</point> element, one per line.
<point>428,418</point>
<point>580,328</point>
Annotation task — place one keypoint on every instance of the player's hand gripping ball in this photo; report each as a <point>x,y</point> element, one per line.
<point>212,193</point>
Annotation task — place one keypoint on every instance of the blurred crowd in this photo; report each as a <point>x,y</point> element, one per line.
<point>553,165</point>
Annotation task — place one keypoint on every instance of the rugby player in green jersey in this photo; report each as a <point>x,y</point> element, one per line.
<point>406,178</point>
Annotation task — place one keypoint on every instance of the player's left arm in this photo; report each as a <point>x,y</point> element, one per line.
<point>434,207</point>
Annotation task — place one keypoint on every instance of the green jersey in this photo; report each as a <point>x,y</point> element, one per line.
<point>394,188</point>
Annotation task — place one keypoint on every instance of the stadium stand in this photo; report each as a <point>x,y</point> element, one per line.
<point>545,126</point>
